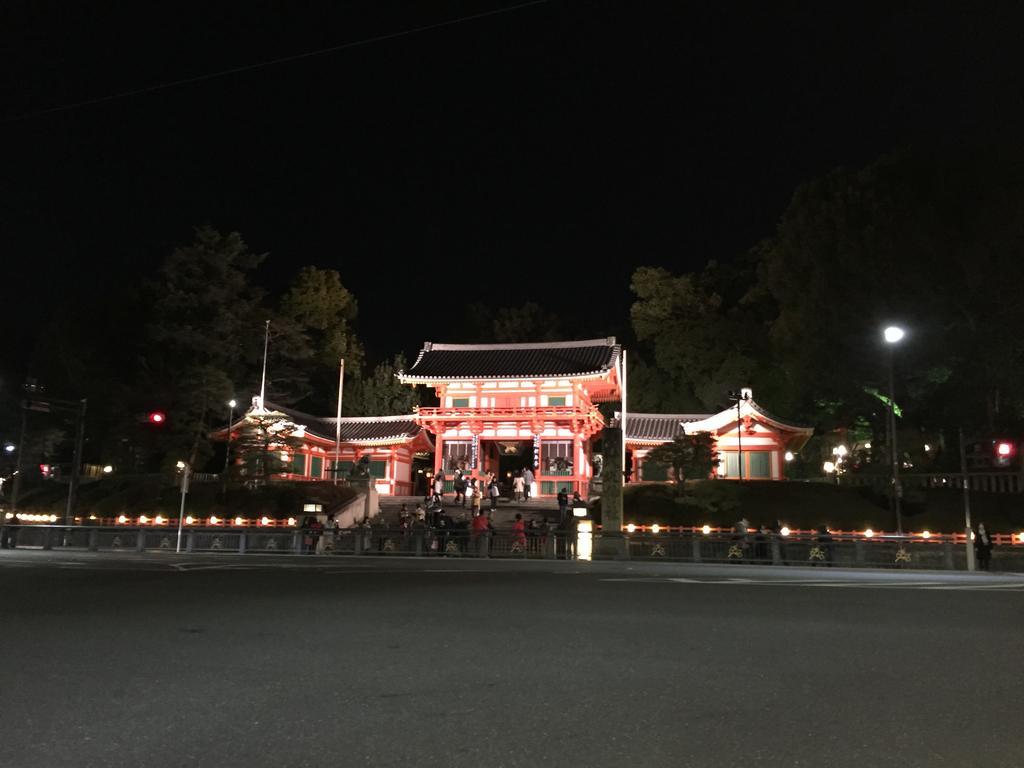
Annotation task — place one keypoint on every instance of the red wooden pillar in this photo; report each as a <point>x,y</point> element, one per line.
<point>577,465</point>
<point>438,453</point>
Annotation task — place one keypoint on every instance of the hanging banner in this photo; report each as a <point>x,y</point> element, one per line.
<point>475,452</point>
<point>536,451</point>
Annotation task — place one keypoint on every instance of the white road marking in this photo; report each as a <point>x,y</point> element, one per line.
<point>931,585</point>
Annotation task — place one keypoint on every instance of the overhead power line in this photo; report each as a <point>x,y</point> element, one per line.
<point>271,62</point>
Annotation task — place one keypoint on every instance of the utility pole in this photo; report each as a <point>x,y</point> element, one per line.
<point>967,503</point>
<point>263,380</point>
<point>337,427</point>
<point>76,466</point>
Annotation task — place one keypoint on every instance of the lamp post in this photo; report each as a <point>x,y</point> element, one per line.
<point>893,335</point>
<point>231,420</point>
<point>738,398</point>
<point>186,472</point>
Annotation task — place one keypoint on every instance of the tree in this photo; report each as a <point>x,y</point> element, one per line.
<point>264,435</point>
<point>380,394</point>
<point>932,239</point>
<point>691,457</point>
<point>204,337</point>
<point>703,339</point>
<point>317,313</point>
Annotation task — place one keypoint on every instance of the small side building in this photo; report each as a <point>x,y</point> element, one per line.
<point>390,443</point>
<point>751,435</point>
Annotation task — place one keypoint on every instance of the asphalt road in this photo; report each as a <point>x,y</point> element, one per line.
<point>119,660</point>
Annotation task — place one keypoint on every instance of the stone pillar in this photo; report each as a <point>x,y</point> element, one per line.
<point>612,543</point>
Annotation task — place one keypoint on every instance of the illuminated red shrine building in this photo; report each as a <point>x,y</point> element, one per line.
<point>506,407</point>
<point>503,408</point>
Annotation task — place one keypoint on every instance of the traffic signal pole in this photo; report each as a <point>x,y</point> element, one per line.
<point>968,530</point>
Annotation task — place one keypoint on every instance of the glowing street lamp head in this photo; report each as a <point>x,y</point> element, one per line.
<point>180,465</point>
<point>9,447</point>
<point>232,403</point>
<point>829,467</point>
<point>893,334</point>
<point>789,456</point>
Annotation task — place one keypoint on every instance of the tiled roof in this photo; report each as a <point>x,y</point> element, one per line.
<point>658,426</point>
<point>511,361</point>
<point>355,429</point>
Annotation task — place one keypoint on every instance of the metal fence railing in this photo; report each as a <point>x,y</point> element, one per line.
<point>943,552</point>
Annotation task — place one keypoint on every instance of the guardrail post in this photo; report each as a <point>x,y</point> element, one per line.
<point>241,543</point>
<point>776,552</point>
<point>858,552</point>
<point>695,547</point>
<point>947,555</point>
<point>189,541</point>
<point>48,539</point>
<point>140,540</point>
<point>94,539</point>
<point>418,548</point>
<point>297,542</point>
<point>550,546</point>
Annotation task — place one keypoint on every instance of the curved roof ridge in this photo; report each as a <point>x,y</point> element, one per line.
<point>693,416</point>
<point>353,419</point>
<point>433,346</point>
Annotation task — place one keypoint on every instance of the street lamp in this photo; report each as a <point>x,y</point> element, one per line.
<point>893,335</point>
<point>186,472</point>
<point>739,398</point>
<point>231,420</point>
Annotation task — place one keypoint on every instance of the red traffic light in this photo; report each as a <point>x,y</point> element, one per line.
<point>156,417</point>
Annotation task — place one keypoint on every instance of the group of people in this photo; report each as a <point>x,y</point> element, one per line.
<point>755,543</point>
<point>437,528</point>
<point>471,490</point>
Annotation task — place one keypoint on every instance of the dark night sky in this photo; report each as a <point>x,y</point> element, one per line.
<point>519,151</point>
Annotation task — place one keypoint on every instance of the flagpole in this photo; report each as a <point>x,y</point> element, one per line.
<point>625,406</point>
<point>263,381</point>
<point>337,428</point>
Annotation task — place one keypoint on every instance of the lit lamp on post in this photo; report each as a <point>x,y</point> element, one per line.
<point>231,420</point>
<point>893,335</point>
<point>186,472</point>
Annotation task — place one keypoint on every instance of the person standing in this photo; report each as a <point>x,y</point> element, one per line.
<point>477,498</point>
<point>519,532</point>
<point>480,529</point>
<point>527,483</point>
<point>469,493</point>
<point>563,504</point>
<point>517,487</point>
<point>493,492</point>
<point>439,487</point>
<point>9,538</point>
<point>983,547</point>
<point>460,489</point>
